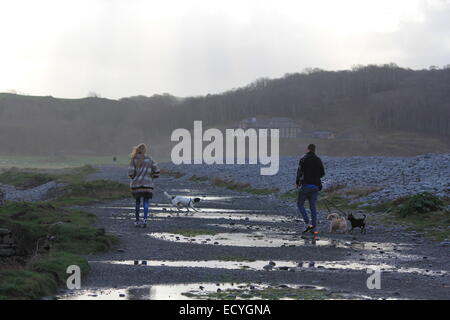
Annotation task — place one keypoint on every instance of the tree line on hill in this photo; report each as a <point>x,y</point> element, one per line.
<point>383,97</point>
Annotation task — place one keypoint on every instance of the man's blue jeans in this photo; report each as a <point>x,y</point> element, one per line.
<point>311,194</point>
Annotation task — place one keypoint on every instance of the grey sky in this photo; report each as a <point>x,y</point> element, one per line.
<point>121,48</point>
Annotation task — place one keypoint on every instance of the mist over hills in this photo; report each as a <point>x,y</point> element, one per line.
<point>371,110</point>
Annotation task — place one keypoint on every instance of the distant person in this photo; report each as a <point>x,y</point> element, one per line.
<point>310,171</point>
<point>114,159</point>
<point>142,171</point>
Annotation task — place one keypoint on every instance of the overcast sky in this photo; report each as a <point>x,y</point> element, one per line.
<point>119,48</point>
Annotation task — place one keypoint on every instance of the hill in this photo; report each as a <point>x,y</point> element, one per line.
<point>374,110</point>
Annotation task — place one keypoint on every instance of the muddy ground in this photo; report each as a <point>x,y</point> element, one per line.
<point>257,228</point>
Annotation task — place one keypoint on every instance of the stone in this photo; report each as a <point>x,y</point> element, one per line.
<point>7,252</point>
<point>4,231</point>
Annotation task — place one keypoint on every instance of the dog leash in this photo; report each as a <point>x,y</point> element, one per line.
<point>333,205</point>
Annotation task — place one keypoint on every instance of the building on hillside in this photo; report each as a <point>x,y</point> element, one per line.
<point>289,128</point>
<point>323,135</point>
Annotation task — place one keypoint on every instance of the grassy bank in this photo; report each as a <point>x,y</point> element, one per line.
<point>423,213</point>
<point>49,236</point>
<point>241,187</point>
<point>76,190</point>
<point>49,239</point>
<point>30,178</point>
<point>59,162</point>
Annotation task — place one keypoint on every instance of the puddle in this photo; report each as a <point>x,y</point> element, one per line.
<point>198,291</point>
<point>279,265</point>
<point>165,211</point>
<point>274,238</point>
<point>260,228</point>
<point>151,292</point>
<point>219,264</point>
<point>254,239</point>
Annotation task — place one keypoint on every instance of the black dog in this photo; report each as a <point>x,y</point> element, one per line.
<point>357,222</point>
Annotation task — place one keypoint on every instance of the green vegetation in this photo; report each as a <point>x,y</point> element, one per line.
<point>270,293</point>
<point>194,232</point>
<point>423,213</point>
<point>242,187</point>
<point>76,191</point>
<point>50,238</point>
<point>90,191</point>
<point>30,178</point>
<point>198,178</point>
<point>420,204</point>
<point>289,195</point>
<point>58,162</point>
<point>24,179</point>
<point>172,173</point>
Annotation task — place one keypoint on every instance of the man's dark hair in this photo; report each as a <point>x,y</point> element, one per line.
<point>312,147</point>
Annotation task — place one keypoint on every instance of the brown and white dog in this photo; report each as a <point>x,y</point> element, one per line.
<point>337,223</point>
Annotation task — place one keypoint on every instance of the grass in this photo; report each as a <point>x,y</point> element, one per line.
<point>433,225</point>
<point>58,162</point>
<point>30,178</point>
<point>266,294</point>
<point>242,187</point>
<point>194,232</point>
<point>44,268</point>
<point>172,173</point>
<point>198,178</point>
<point>90,191</point>
<point>76,191</point>
<point>24,179</point>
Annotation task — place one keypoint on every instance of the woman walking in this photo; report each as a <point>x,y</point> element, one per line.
<point>142,171</point>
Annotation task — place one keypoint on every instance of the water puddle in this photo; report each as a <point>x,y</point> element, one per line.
<point>198,291</point>
<point>277,265</point>
<point>254,239</point>
<point>272,237</point>
<point>150,292</point>
<point>166,211</point>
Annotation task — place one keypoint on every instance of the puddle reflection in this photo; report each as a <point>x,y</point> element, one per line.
<point>277,265</point>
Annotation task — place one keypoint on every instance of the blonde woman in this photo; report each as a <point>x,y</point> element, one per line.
<point>142,171</point>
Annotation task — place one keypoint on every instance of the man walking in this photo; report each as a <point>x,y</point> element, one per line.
<point>310,171</point>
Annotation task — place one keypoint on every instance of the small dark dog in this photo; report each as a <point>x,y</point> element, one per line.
<point>357,222</point>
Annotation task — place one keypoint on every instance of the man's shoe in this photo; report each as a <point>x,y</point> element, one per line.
<point>144,224</point>
<point>308,228</point>
<point>136,223</point>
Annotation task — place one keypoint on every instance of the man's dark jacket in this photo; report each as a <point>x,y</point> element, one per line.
<point>310,170</point>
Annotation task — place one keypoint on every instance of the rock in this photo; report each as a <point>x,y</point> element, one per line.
<point>7,252</point>
<point>4,232</point>
<point>268,267</point>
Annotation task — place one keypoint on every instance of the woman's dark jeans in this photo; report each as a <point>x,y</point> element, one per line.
<point>146,203</point>
<point>311,194</point>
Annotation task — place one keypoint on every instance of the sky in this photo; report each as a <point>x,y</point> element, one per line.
<point>122,48</point>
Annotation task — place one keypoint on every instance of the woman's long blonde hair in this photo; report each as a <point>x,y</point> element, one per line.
<point>140,149</point>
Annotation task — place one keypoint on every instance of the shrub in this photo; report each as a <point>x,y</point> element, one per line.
<point>420,203</point>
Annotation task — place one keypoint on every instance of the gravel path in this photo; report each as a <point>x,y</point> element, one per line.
<point>398,176</point>
<point>413,267</point>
